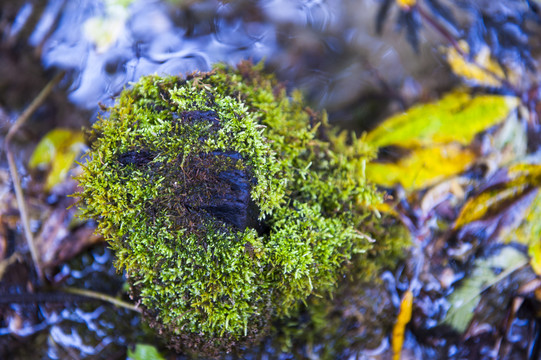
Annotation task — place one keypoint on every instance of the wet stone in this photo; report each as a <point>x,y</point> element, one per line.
<point>229,199</point>
<point>200,116</point>
<point>135,157</point>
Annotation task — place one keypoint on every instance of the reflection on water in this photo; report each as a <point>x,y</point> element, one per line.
<point>328,48</point>
<point>77,330</point>
<point>148,37</point>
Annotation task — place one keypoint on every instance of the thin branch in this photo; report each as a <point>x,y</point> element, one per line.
<point>441,30</point>
<point>33,106</point>
<point>4,264</point>
<point>454,43</point>
<point>102,297</point>
<point>13,168</point>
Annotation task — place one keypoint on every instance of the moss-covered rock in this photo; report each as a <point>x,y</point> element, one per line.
<point>226,201</point>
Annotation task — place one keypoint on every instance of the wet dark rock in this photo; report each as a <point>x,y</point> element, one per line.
<point>135,157</point>
<point>234,206</point>
<point>200,116</point>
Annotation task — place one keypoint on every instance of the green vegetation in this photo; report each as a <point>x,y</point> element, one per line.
<point>228,203</point>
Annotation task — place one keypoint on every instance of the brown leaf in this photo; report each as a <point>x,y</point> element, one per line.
<point>58,243</point>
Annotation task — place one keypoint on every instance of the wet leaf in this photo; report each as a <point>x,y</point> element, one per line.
<point>144,352</point>
<point>486,273</point>
<point>404,317</point>
<point>445,191</point>
<point>406,4</point>
<point>57,151</point>
<point>496,226</point>
<point>519,180</point>
<point>510,141</point>
<point>535,256</point>
<point>423,167</point>
<point>457,117</point>
<point>529,233</point>
<point>481,70</point>
<point>57,242</point>
<point>385,208</point>
<point>528,173</point>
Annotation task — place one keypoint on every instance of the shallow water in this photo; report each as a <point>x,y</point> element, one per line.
<point>328,48</point>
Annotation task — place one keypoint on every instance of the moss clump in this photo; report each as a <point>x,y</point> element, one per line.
<point>226,201</point>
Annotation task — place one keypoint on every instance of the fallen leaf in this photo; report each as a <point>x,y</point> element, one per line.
<point>501,221</point>
<point>519,180</point>
<point>422,168</point>
<point>528,233</point>
<point>383,208</point>
<point>510,141</point>
<point>457,117</point>
<point>486,273</point>
<point>144,352</point>
<point>406,4</point>
<point>63,233</point>
<point>404,317</point>
<point>453,188</point>
<point>535,256</point>
<point>58,243</point>
<point>482,69</point>
<point>57,151</point>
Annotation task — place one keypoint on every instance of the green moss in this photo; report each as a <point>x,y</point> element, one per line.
<point>167,178</point>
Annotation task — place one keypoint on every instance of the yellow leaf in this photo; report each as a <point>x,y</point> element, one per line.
<point>422,168</point>
<point>384,208</point>
<point>521,184</point>
<point>404,317</point>
<point>525,173</point>
<point>57,150</point>
<point>535,253</point>
<point>457,117</point>
<point>529,230</point>
<point>406,4</point>
<point>487,203</point>
<point>520,178</point>
<point>145,352</point>
<point>482,70</point>
<point>529,233</point>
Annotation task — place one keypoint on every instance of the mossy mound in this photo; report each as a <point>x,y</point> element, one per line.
<point>226,202</point>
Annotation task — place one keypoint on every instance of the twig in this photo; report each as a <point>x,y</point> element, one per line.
<point>454,43</point>
<point>102,297</point>
<point>13,168</point>
<point>441,30</point>
<point>4,264</point>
